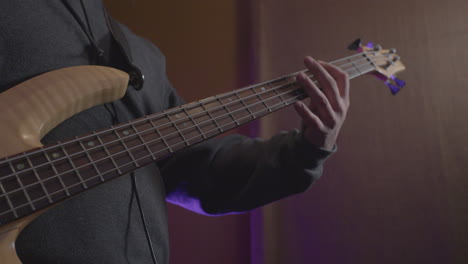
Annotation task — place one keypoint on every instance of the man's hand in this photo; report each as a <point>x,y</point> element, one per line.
<point>326,111</point>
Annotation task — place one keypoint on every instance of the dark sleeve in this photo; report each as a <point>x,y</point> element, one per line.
<point>233,173</point>
<point>236,173</point>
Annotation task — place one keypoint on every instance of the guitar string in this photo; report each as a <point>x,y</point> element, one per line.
<point>162,114</point>
<point>127,125</point>
<point>144,157</point>
<point>94,177</point>
<point>138,133</point>
<point>163,137</point>
<point>178,134</point>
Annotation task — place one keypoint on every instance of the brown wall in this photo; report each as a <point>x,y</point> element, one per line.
<point>396,191</point>
<point>201,43</point>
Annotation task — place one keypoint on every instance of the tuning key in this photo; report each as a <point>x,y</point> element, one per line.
<point>393,88</point>
<point>398,82</point>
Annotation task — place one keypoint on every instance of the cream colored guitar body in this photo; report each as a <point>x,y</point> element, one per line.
<point>31,109</point>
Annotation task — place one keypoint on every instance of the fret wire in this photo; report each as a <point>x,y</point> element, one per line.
<point>261,99</point>
<point>354,66</point>
<point>154,126</point>
<point>227,110</point>
<point>211,117</point>
<point>276,92</point>
<point>160,136</point>
<point>245,106</point>
<point>127,150</point>
<point>159,114</point>
<point>22,187</point>
<point>177,129</point>
<point>56,173</point>
<point>195,123</point>
<point>143,141</point>
<point>256,94</point>
<point>40,180</point>
<point>127,164</point>
<point>90,158</point>
<point>7,197</point>
<point>73,166</point>
<point>108,154</point>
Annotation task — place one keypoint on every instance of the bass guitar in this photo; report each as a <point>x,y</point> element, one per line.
<point>34,177</point>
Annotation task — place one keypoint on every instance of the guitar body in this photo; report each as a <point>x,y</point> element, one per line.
<point>31,109</point>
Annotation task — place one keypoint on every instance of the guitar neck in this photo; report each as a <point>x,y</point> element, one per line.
<point>41,177</point>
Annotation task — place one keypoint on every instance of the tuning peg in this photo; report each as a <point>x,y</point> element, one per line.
<point>355,45</point>
<point>393,88</point>
<point>398,82</point>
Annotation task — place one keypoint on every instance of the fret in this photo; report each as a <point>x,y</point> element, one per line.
<point>194,123</point>
<point>21,186</point>
<point>10,204</point>
<point>127,150</point>
<point>70,161</point>
<point>192,133</point>
<point>108,155</point>
<point>161,137</point>
<point>151,140</point>
<point>90,159</point>
<point>236,108</point>
<point>354,66</point>
<point>211,117</point>
<point>56,173</point>
<point>263,90</point>
<point>46,192</point>
<point>227,110</point>
<point>253,102</point>
<point>277,93</point>
<point>245,106</point>
<point>143,142</point>
<point>177,129</point>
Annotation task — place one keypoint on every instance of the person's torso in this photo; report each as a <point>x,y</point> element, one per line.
<point>101,225</point>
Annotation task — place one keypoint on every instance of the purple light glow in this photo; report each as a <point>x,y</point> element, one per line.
<point>370,45</point>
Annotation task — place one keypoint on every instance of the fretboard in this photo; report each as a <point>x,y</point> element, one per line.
<point>41,177</point>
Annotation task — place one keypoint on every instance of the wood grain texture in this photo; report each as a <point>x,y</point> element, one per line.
<point>396,190</point>
<point>31,109</point>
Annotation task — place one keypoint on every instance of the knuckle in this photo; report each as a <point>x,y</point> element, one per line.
<point>322,101</point>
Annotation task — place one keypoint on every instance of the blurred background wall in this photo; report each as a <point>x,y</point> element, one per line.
<point>397,189</point>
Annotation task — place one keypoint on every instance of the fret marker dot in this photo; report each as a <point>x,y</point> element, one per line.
<point>263,89</point>
<point>125,132</point>
<point>230,99</point>
<point>55,155</point>
<point>20,166</point>
<point>90,143</point>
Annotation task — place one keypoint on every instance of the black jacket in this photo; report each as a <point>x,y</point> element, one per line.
<point>103,225</point>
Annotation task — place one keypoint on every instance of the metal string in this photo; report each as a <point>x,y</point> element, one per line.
<point>286,102</point>
<point>178,134</point>
<point>143,120</point>
<point>151,129</point>
<point>174,110</point>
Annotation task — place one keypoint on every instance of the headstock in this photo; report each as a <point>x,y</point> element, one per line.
<point>386,62</point>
